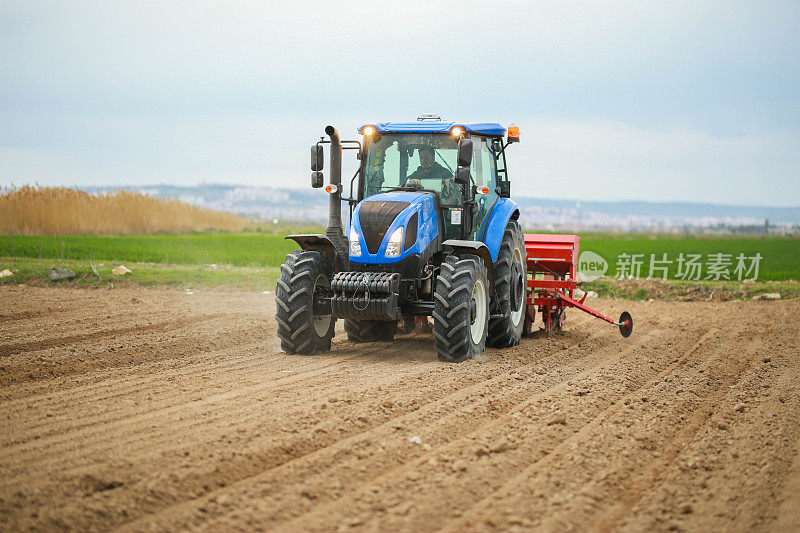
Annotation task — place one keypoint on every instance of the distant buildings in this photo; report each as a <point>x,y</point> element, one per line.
<point>568,216</point>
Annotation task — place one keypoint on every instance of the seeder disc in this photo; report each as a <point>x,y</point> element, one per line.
<point>625,324</point>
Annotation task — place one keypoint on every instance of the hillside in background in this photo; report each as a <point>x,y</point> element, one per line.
<point>310,205</point>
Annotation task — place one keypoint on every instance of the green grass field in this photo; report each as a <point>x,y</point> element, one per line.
<point>251,260</point>
<point>780,255</point>
<point>239,249</point>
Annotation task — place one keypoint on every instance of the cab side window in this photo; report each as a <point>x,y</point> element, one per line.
<point>485,174</point>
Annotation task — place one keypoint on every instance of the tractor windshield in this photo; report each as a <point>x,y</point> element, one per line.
<point>424,161</point>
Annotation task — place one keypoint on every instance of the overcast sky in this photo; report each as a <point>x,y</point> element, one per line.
<point>655,101</point>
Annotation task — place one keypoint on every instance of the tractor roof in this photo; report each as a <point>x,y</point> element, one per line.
<point>437,126</point>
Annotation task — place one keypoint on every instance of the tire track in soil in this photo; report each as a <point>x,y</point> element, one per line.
<point>628,479</point>
<point>756,437</point>
<point>226,367</point>
<point>24,315</point>
<point>105,426</point>
<point>141,429</point>
<point>317,364</point>
<point>394,480</point>
<point>163,345</point>
<point>505,496</point>
<point>630,491</point>
<point>300,385</point>
<point>143,369</point>
<point>254,447</point>
<point>19,378</point>
<point>53,342</point>
<point>294,450</point>
<point>454,423</point>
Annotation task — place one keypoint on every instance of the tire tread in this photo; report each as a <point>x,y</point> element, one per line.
<point>502,333</point>
<point>293,295</point>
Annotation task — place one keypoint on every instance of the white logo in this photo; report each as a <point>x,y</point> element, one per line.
<point>591,266</point>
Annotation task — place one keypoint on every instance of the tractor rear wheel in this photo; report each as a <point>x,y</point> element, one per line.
<point>510,276</point>
<point>461,309</point>
<point>304,273</point>
<point>369,330</point>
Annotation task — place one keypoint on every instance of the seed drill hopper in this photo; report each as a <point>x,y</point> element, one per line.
<point>552,267</point>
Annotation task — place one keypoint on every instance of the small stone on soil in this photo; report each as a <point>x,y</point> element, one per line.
<point>57,273</point>
<point>558,418</point>
<point>770,296</point>
<point>500,446</point>
<point>459,466</point>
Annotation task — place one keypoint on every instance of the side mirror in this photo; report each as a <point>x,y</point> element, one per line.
<point>317,158</point>
<point>462,176</point>
<point>465,153</point>
<point>316,179</point>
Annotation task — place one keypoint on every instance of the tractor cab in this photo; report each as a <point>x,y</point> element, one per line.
<point>424,156</point>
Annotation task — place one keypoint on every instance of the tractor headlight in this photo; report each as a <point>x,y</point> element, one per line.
<point>395,245</point>
<point>355,246</point>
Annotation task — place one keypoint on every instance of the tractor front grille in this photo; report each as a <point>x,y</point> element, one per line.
<point>375,218</point>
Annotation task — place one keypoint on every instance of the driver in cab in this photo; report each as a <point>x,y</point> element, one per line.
<point>430,169</point>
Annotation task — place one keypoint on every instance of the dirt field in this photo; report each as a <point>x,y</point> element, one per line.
<point>160,410</point>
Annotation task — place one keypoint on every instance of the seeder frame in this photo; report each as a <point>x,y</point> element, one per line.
<point>552,278</point>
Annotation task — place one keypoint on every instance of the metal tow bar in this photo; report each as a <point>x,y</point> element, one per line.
<point>625,322</point>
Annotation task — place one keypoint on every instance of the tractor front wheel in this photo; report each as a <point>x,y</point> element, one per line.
<point>461,309</point>
<point>301,330</point>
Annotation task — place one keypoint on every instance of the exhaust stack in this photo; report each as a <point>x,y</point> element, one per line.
<point>334,230</point>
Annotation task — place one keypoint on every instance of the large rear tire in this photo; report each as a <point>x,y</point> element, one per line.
<point>510,277</point>
<point>461,309</point>
<point>304,273</point>
<point>369,330</point>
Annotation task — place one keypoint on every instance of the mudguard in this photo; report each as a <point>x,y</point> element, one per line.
<point>504,210</point>
<point>475,248</point>
<point>316,241</point>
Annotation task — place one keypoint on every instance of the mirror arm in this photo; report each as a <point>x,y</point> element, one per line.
<point>508,143</point>
<point>351,200</point>
<point>351,143</point>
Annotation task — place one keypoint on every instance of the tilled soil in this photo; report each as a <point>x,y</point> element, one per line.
<point>160,410</point>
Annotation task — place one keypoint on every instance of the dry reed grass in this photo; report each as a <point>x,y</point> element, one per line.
<point>33,210</point>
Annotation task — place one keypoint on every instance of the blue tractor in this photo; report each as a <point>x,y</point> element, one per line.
<point>432,232</point>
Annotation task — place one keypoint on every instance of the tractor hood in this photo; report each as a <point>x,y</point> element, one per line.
<point>376,218</point>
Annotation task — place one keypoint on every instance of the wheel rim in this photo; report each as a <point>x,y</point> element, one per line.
<point>321,322</point>
<point>478,325</point>
<point>517,314</point>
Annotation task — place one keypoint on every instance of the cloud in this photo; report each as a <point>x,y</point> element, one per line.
<point>607,161</point>
<point>644,100</point>
<point>594,160</point>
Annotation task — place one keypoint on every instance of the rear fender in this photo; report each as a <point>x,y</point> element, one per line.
<point>504,210</point>
<point>474,248</point>
<point>317,241</point>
